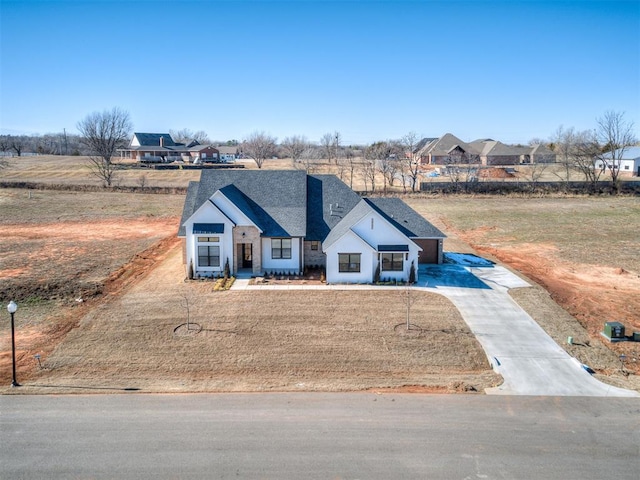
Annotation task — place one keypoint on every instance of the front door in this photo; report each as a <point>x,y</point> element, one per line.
<point>247,257</point>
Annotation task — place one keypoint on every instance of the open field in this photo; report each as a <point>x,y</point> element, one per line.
<point>57,247</point>
<point>71,170</point>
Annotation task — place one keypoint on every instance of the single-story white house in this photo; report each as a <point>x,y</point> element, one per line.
<point>627,161</point>
<point>283,221</point>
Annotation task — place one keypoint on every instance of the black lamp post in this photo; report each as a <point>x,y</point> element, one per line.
<point>12,307</point>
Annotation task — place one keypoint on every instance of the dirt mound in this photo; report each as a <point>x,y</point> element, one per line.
<point>495,173</point>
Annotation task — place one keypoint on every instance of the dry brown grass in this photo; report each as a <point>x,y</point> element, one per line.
<point>263,341</point>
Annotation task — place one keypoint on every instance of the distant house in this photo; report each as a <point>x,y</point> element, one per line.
<point>228,154</point>
<point>542,154</point>
<point>449,149</point>
<point>284,221</point>
<point>627,161</point>
<point>445,150</point>
<point>160,147</point>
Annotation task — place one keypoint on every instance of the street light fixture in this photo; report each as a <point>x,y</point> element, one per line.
<point>11,308</point>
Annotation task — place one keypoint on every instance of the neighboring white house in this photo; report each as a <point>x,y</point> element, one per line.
<point>282,221</point>
<point>628,161</point>
<point>160,147</point>
<point>228,154</point>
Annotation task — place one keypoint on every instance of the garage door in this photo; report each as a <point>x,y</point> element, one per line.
<point>429,253</point>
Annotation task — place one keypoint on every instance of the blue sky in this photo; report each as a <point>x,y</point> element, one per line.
<point>372,70</point>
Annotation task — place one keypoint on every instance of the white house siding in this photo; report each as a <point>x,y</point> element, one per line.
<point>350,243</point>
<point>208,214</point>
<point>366,235</point>
<point>281,264</point>
<point>375,230</point>
<point>627,168</point>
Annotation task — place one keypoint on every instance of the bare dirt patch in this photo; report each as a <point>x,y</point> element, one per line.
<point>69,260</point>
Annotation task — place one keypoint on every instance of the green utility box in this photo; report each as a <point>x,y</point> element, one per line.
<point>613,330</point>
<point>636,336</point>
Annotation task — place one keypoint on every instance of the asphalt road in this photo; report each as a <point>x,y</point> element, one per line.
<point>324,436</point>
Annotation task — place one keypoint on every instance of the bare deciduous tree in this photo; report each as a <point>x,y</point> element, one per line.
<point>563,142</point>
<point>328,147</point>
<point>259,146</point>
<point>294,147</point>
<point>309,159</point>
<point>533,173</point>
<point>102,133</point>
<point>330,144</point>
<point>614,134</point>
<point>4,144</point>
<point>350,165</point>
<point>460,168</point>
<point>17,143</point>
<point>385,157</point>
<point>369,169</point>
<point>587,150</point>
<point>411,162</point>
<point>185,136</point>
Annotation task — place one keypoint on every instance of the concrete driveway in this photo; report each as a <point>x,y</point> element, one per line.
<point>528,359</point>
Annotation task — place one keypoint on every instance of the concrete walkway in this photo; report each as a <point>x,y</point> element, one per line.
<point>528,359</point>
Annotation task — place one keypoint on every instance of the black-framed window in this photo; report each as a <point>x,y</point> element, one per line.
<point>348,262</point>
<point>208,256</point>
<point>281,248</point>
<point>393,262</point>
<point>209,239</point>
<point>315,245</point>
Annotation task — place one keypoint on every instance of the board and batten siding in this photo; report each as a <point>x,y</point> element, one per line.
<point>289,265</point>
<point>207,213</point>
<point>351,243</point>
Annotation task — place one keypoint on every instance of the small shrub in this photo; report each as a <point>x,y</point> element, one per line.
<point>227,270</point>
<point>190,272</point>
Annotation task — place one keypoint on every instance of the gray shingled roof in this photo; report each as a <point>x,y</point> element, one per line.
<point>292,203</point>
<point>445,143</point>
<point>329,199</point>
<point>189,206</point>
<point>405,218</point>
<point>344,225</point>
<point>274,200</point>
<point>153,139</point>
<point>423,143</point>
